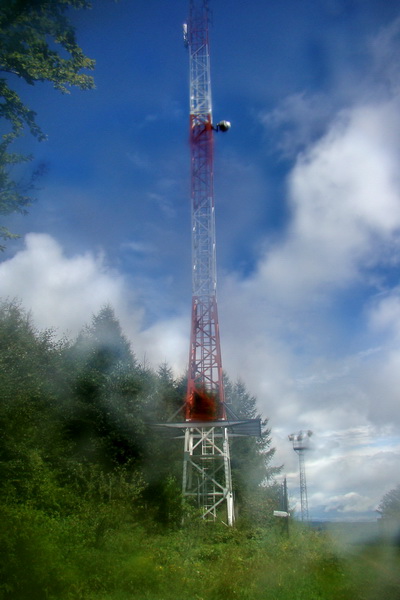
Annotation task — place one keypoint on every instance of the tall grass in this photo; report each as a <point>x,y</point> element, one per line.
<point>69,558</point>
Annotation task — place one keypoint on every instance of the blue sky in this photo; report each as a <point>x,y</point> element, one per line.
<point>307,207</point>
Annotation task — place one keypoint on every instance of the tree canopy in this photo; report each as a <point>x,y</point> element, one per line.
<point>390,504</point>
<point>37,44</point>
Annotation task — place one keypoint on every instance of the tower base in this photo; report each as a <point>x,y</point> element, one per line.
<point>207,481</point>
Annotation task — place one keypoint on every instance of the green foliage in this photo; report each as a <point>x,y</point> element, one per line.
<point>390,504</point>
<point>170,394</point>
<point>256,497</point>
<point>61,559</point>
<point>163,464</point>
<point>252,455</point>
<point>29,363</point>
<point>37,44</point>
<point>106,424</point>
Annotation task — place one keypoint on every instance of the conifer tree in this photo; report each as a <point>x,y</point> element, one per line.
<point>107,422</point>
<point>251,457</point>
<point>389,506</point>
<point>163,468</point>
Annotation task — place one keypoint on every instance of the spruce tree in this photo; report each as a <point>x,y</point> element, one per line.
<point>107,422</point>
<point>252,473</point>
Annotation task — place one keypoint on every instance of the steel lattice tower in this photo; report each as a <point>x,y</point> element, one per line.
<point>207,477</point>
<point>300,445</point>
<point>207,469</point>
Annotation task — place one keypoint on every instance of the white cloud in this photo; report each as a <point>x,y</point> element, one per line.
<point>299,119</point>
<point>348,471</point>
<point>168,341</point>
<point>65,292</point>
<point>278,330</point>
<point>344,196</point>
<point>384,313</point>
<point>350,502</point>
<point>281,331</point>
<point>62,292</point>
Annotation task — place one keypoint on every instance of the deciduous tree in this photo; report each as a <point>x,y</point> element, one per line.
<point>37,44</point>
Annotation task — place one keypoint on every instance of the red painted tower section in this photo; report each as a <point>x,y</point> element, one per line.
<point>205,400</point>
<point>206,467</point>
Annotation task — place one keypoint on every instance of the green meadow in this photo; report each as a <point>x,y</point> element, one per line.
<point>103,554</point>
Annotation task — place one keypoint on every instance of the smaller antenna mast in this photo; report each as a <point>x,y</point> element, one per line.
<point>300,445</point>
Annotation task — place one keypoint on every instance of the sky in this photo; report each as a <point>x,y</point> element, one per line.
<point>307,192</point>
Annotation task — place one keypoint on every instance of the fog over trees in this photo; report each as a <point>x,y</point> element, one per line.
<point>390,504</point>
<point>79,455</point>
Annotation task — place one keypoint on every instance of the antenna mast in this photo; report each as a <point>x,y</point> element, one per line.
<point>300,445</point>
<point>207,468</point>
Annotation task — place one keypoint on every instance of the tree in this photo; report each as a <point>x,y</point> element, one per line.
<point>390,504</point>
<point>53,504</point>
<point>106,423</point>
<point>163,468</point>
<point>31,443</point>
<point>106,346</point>
<point>37,44</point>
<point>252,473</point>
<point>251,456</point>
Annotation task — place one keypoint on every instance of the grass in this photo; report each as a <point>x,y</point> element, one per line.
<point>56,561</point>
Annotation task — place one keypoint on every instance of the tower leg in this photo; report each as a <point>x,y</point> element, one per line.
<point>207,480</point>
<point>228,480</point>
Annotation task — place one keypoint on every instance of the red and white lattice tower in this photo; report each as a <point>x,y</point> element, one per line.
<point>207,469</point>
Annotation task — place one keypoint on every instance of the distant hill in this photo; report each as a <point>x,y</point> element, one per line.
<point>359,532</point>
